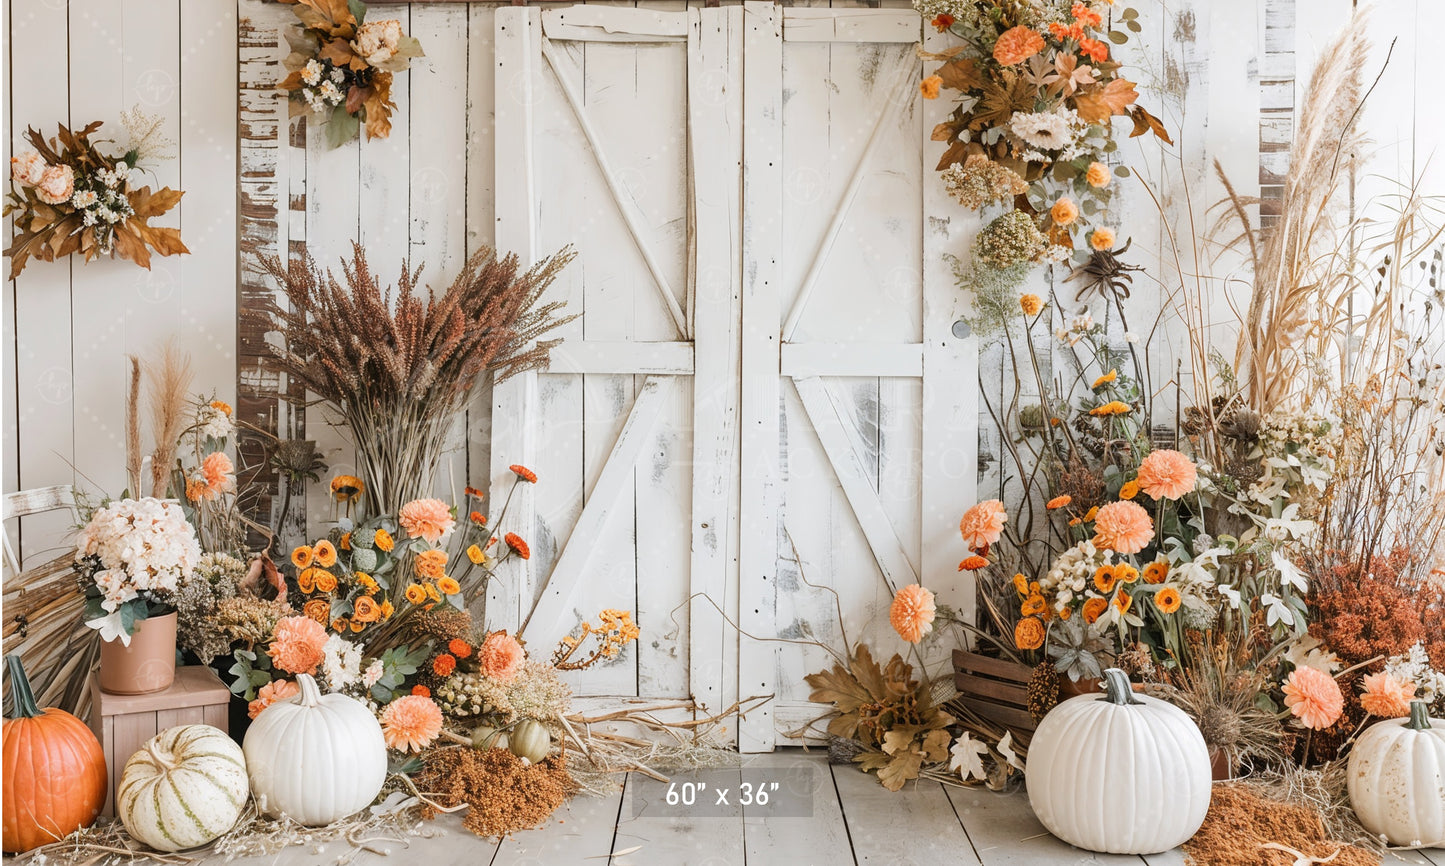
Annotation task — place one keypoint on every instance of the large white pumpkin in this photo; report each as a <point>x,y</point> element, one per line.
<point>185,787</point>
<point>315,758</point>
<point>1397,779</point>
<point>1119,773</point>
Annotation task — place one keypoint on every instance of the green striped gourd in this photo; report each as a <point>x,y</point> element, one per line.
<point>185,787</point>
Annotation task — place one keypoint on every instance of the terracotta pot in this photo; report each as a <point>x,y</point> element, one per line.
<point>1070,689</point>
<point>147,665</point>
<point>1219,768</point>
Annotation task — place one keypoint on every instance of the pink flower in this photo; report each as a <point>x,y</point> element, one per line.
<point>272,693</point>
<point>217,469</point>
<point>1166,474</point>
<point>298,645</point>
<point>912,613</point>
<point>1314,698</point>
<point>27,168</point>
<point>500,657</point>
<point>1123,527</point>
<point>426,518</point>
<point>410,723</point>
<point>56,184</point>
<point>1387,696</point>
<point>983,524</point>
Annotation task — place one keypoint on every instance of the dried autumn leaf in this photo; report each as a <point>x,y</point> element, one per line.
<point>837,686</point>
<point>956,153</point>
<point>1002,97</point>
<point>1098,104</point>
<point>944,132</point>
<point>959,74</point>
<point>129,245</point>
<point>339,53</point>
<point>149,204</point>
<point>332,17</point>
<point>1146,122</point>
<point>900,769</point>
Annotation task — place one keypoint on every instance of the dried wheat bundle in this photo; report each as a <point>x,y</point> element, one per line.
<point>400,362</point>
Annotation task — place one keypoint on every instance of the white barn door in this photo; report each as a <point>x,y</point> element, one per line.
<point>858,453</point>
<point>618,131</point>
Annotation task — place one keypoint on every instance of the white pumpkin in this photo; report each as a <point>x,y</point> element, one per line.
<point>1397,779</point>
<point>1119,773</point>
<point>315,758</point>
<point>185,787</point>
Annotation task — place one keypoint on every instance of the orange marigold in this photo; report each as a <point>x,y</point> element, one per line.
<point>523,473</point>
<point>431,564</point>
<point>1123,527</point>
<point>421,691</point>
<point>222,406</point>
<point>500,657</point>
<point>325,553</point>
<point>1096,51</point>
<point>929,87</point>
<point>942,21</point>
<point>301,556</point>
<point>444,664</point>
<point>1167,474</point>
<point>459,648</point>
<point>1094,608</point>
<point>1017,44</point>
<point>1033,606</point>
<point>384,542</point>
<point>1059,502</point>
<point>912,612</point>
<point>410,723</point>
<point>983,524</point>
<point>1156,572</point>
<point>1314,697</point>
<point>518,545</point>
<point>1387,696</point>
<point>1085,16</point>
<point>298,644</point>
<point>973,563</point>
<point>1029,633</point>
<point>447,585</point>
<point>478,518</point>
<point>1167,599</point>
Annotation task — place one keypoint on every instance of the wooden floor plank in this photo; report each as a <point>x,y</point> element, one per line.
<point>820,839</point>
<point>650,838</point>
<point>1168,858</point>
<point>1005,832</point>
<point>1434,855</point>
<point>917,824</point>
<point>583,828</point>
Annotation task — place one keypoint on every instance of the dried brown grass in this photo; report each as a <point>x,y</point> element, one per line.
<point>169,382</point>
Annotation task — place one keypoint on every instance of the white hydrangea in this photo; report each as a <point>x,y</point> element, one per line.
<point>311,74</point>
<point>341,663</point>
<point>211,422</point>
<point>142,544</point>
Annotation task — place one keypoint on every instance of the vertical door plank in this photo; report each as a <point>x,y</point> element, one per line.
<point>43,405</point>
<point>480,206</point>
<point>761,324</point>
<point>10,462</point>
<point>715,133</point>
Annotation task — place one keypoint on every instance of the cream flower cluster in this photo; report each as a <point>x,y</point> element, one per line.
<point>323,88</point>
<point>1072,571</point>
<point>341,663</point>
<point>144,545</point>
<point>377,41</point>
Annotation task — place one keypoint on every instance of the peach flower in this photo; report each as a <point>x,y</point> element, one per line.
<point>1016,45</point>
<point>27,168</point>
<point>500,657</point>
<point>298,644</point>
<point>1064,211</point>
<point>1098,175</point>
<point>1314,697</point>
<point>1031,304</point>
<point>426,518</point>
<point>431,564</point>
<point>1123,527</point>
<point>1167,474</point>
<point>217,470</point>
<point>56,184</point>
<point>983,524</point>
<point>1387,696</point>
<point>929,87</point>
<point>272,693</point>
<point>410,723</point>
<point>912,613</point>
<point>1102,238</point>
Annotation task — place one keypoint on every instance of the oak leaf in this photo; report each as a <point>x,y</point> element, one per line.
<point>1098,104</point>
<point>1002,97</point>
<point>959,74</point>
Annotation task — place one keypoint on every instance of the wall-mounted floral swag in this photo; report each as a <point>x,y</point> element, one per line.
<point>342,65</point>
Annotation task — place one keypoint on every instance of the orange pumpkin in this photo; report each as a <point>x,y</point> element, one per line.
<point>54,771</point>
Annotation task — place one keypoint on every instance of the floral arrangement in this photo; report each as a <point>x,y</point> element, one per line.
<point>342,65</point>
<point>134,553</point>
<point>1031,134</point>
<point>69,195</point>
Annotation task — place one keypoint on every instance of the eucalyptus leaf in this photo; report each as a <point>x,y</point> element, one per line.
<point>341,128</point>
<point>1117,37</point>
<point>358,11</point>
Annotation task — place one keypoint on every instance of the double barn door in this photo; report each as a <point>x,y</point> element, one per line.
<point>760,423</point>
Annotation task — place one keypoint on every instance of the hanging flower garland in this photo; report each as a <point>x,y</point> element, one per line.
<point>1031,132</point>
<point>70,196</point>
<point>342,65</point>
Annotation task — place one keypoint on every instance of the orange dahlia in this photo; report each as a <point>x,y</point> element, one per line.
<point>912,613</point>
<point>1387,696</point>
<point>1016,45</point>
<point>298,644</point>
<point>410,723</point>
<point>983,524</point>
<point>500,657</point>
<point>1167,474</point>
<point>1314,697</point>
<point>1123,527</point>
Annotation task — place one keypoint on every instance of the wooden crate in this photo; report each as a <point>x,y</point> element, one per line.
<point>123,723</point>
<point>995,689</point>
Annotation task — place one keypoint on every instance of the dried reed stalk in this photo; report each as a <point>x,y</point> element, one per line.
<point>169,381</point>
<point>399,363</point>
<point>132,428</point>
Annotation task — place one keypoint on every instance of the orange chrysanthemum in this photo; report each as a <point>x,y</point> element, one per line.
<point>272,693</point>
<point>478,518</point>
<point>1033,606</point>
<point>431,564</point>
<point>1129,490</point>
<point>500,657</point>
<point>523,473</point>
<point>983,524</point>
<point>444,664</point>
<point>973,563</point>
<point>475,554</point>
<point>1029,633</point>
<point>1017,44</point>
<point>1156,572</point>
<point>518,545</point>
<point>1167,599</point>
<point>1167,474</point>
<point>1031,304</point>
<point>447,585</point>
<point>1314,697</point>
<point>1387,696</point>
<point>325,553</point>
<point>421,691</point>
<point>426,518</point>
<point>415,594</point>
<point>384,542</point>
<point>1066,31</point>
<point>912,613</point>
<point>930,87</point>
<point>318,609</point>
<point>301,556</point>
<point>1126,572</point>
<point>1113,407</point>
<point>1085,16</point>
<point>1123,527</point>
<point>1059,502</point>
<point>411,722</point>
<point>365,609</point>
<point>1094,608</point>
<point>298,644</point>
<point>216,469</point>
<point>1105,579</point>
<point>459,648</point>
<point>223,407</point>
<point>473,491</point>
